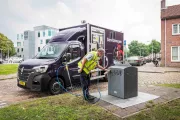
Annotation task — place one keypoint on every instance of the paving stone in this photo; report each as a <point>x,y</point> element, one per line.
<point>159,100</point>
<point>140,106</point>
<point>131,110</point>
<point>121,112</point>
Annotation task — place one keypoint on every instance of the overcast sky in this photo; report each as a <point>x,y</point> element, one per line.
<point>137,19</point>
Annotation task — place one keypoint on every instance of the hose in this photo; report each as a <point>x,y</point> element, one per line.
<point>57,78</point>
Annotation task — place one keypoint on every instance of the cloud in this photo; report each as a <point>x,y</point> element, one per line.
<point>138,19</point>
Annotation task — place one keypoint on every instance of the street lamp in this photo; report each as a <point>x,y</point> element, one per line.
<point>140,50</point>
<point>151,49</point>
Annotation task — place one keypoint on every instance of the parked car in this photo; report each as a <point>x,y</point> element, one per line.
<point>143,59</point>
<point>15,60</point>
<point>135,60</point>
<point>148,59</point>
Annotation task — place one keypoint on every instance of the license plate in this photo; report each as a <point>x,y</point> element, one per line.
<point>22,83</point>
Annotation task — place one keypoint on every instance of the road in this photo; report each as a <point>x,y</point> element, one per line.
<point>10,93</point>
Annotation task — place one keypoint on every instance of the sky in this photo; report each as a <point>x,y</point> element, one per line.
<point>137,19</point>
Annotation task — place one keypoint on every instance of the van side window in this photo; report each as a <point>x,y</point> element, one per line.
<point>73,52</point>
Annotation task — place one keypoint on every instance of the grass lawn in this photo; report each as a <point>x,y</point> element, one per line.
<point>60,107</point>
<point>171,85</point>
<point>169,111</point>
<point>6,69</point>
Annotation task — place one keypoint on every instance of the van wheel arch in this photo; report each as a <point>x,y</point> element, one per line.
<point>54,87</point>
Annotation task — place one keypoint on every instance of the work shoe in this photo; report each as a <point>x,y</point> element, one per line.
<point>90,97</point>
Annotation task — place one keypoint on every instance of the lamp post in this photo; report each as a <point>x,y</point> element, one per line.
<point>141,51</point>
<point>151,48</point>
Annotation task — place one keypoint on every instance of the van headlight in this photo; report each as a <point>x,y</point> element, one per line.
<point>41,69</point>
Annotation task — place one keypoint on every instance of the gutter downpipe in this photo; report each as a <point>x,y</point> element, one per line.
<point>165,42</point>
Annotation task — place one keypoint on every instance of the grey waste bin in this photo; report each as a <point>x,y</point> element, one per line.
<point>123,81</point>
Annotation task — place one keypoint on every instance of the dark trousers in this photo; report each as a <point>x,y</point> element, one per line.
<point>85,83</point>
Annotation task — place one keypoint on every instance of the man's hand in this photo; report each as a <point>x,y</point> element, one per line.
<point>80,70</point>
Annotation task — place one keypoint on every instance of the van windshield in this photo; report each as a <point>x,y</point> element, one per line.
<point>51,51</point>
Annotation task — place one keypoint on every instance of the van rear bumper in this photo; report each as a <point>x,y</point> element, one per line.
<point>35,82</point>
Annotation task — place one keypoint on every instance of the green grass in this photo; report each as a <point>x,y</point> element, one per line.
<point>170,85</point>
<point>6,69</point>
<point>169,111</point>
<point>60,107</point>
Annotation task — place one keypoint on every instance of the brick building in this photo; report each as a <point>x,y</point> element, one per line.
<point>170,35</point>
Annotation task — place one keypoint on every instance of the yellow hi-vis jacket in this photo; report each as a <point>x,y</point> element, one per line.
<point>91,64</point>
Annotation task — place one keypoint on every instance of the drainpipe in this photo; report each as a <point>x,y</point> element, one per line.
<point>165,43</point>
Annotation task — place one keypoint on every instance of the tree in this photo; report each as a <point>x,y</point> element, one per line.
<point>155,46</point>
<point>138,49</point>
<point>5,45</point>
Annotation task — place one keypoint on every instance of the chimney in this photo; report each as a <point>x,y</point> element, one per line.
<point>163,4</point>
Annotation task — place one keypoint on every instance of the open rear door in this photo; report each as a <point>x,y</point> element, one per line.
<point>97,40</point>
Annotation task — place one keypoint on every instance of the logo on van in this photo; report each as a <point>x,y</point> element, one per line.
<point>113,40</point>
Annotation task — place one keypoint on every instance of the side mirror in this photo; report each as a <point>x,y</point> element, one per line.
<point>64,58</point>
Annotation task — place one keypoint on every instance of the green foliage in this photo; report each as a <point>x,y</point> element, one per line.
<point>6,44</point>
<point>169,111</point>
<point>155,45</point>
<point>60,107</point>
<point>170,85</point>
<point>6,69</point>
<point>138,49</point>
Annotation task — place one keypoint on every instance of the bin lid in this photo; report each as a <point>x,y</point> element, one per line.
<point>121,66</point>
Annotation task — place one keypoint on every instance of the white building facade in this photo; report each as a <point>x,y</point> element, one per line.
<point>42,36</point>
<point>31,42</point>
<point>20,45</point>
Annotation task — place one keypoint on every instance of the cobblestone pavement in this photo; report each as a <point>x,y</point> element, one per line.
<point>158,78</point>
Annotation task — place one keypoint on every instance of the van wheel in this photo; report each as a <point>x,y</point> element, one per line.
<point>54,87</point>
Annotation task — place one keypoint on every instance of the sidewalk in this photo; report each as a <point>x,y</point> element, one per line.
<point>150,68</point>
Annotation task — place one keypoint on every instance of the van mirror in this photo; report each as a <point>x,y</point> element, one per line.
<point>66,58</point>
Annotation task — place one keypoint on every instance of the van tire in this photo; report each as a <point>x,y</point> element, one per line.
<point>54,87</point>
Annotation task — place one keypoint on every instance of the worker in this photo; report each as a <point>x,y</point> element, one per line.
<point>88,63</point>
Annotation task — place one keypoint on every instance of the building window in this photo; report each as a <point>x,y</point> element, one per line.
<point>21,36</point>
<point>112,35</point>
<point>44,33</point>
<point>18,44</point>
<point>18,50</point>
<point>175,53</point>
<point>176,29</point>
<point>17,36</point>
<point>47,40</point>
<point>38,49</point>
<point>41,42</point>
<point>22,49</point>
<point>38,34</point>
<point>49,32</point>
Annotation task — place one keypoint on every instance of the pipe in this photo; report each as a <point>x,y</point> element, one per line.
<point>165,43</point>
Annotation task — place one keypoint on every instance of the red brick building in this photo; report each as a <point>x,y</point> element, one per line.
<point>170,35</point>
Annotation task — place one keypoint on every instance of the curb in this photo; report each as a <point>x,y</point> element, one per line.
<point>8,78</point>
<point>159,72</point>
<point>151,72</point>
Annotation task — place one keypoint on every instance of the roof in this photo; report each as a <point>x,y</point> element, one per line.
<point>64,35</point>
<point>171,12</point>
